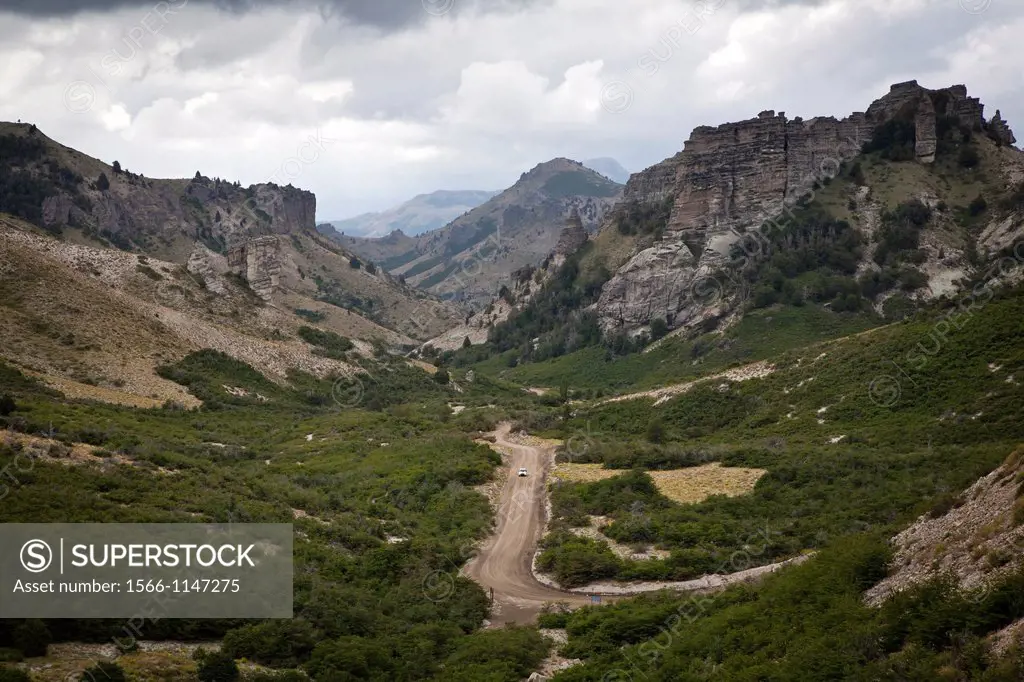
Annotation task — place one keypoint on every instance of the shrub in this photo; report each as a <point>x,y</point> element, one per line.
<point>7,405</point>
<point>282,676</point>
<point>656,431</point>
<point>10,656</point>
<point>658,328</point>
<point>441,377</point>
<point>14,675</point>
<point>310,315</point>
<point>149,272</point>
<point>977,206</point>
<point>1018,512</point>
<point>857,174</point>
<point>104,671</point>
<point>968,157</point>
<point>279,644</point>
<point>217,667</point>
<point>912,279</point>
<point>32,638</point>
<point>894,140</point>
<point>329,344</point>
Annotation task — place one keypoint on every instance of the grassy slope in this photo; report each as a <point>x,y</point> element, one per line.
<point>912,432</point>
<point>759,335</point>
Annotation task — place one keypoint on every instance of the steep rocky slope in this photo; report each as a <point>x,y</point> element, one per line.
<point>264,234</point>
<point>95,322</point>
<point>715,200</point>
<point>514,296</point>
<point>976,537</point>
<point>469,259</point>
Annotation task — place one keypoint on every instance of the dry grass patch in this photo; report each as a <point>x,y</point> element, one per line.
<point>696,484</point>
<point>425,366</point>
<point>78,390</point>
<point>685,486</point>
<point>583,473</point>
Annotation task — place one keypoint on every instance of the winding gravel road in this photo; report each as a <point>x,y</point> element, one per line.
<point>504,562</point>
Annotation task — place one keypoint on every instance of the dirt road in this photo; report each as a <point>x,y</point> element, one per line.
<point>504,562</point>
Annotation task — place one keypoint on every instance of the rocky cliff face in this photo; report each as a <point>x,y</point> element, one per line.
<point>159,217</point>
<point>729,180</point>
<point>259,262</point>
<point>573,236</point>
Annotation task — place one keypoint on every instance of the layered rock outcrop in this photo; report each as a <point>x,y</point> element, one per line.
<point>730,179</point>
<point>259,262</point>
<point>1000,131</point>
<point>572,237</point>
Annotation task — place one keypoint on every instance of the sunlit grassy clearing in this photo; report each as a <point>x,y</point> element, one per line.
<point>685,486</point>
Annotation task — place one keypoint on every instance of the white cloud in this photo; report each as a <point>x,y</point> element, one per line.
<point>472,99</point>
<point>507,95</point>
<point>116,118</point>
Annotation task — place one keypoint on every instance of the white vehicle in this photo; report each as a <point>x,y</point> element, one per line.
<point>522,471</point>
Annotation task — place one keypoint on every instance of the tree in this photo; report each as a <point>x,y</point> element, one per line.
<point>32,638</point>
<point>104,671</point>
<point>371,268</point>
<point>466,343</point>
<point>199,176</point>
<point>442,377</point>
<point>977,206</point>
<point>117,166</point>
<point>218,667</point>
<point>968,157</point>
<point>655,431</point>
<point>103,183</point>
<point>354,263</point>
<point>7,405</point>
<point>658,328</point>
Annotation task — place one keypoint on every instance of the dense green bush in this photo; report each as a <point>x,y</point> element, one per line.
<point>277,643</point>
<point>900,236</point>
<point>310,315</point>
<point>644,218</point>
<point>217,667</point>
<point>328,343</point>
<point>977,206</point>
<point>13,675</point>
<point>894,140</point>
<point>32,638</point>
<point>968,157</point>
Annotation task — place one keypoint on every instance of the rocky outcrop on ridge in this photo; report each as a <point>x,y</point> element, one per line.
<point>730,179</point>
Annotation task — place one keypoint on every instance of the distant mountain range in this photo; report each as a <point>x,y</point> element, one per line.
<point>471,256</point>
<point>420,214</point>
<point>608,167</point>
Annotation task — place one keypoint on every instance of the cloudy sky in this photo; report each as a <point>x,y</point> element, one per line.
<point>368,102</point>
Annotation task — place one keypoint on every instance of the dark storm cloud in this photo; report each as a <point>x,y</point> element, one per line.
<point>383,14</point>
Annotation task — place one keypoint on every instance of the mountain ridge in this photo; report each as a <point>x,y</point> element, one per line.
<point>422,213</point>
<point>265,234</point>
<point>468,259</point>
